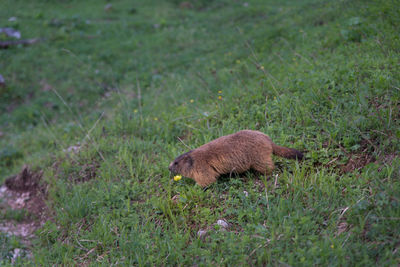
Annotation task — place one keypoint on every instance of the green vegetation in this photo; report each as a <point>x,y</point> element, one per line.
<point>121,81</point>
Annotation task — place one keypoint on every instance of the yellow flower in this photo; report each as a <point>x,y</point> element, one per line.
<point>274,97</point>
<point>219,97</point>
<point>262,67</point>
<point>156,119</point>
<point>177,177</point>
<point>191,100</point>
<point>135,110</point>
<point>219,92</point>
<point>237,61</point>
<point>332,246</point>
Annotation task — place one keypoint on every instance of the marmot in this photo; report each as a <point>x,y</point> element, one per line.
<point>234,153</point>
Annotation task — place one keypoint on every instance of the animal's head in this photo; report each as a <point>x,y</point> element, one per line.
<point>182,165</point>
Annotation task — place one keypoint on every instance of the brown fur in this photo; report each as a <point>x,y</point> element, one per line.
<point>234,153</point>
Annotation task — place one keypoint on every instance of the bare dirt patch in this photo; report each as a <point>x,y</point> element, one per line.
<point>369,151</point>
<point>357,159</point>
<point>357,162</point>
<point>24,181</point>
<point>24,192</point>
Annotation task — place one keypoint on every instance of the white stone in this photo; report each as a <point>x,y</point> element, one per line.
<point>201,233</point>
<point>222,223</point>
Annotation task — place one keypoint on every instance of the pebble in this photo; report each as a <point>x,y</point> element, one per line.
<point>201,233</point>
<point>223,223</point>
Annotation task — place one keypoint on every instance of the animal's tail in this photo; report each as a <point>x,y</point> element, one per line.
<point>289,153</point>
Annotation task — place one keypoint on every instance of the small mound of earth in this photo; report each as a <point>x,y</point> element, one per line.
<point>23,192</point>
<point>25,181</point>
<point>357,162</point>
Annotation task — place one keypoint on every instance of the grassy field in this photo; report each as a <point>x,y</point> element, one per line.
<point>100,102</point>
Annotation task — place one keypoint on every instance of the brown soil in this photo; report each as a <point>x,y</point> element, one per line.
<point>369,152</point>
<point>24,192</point>
<point>25,181</point>
<point>357,162</point>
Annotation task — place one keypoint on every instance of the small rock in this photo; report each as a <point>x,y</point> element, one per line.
<point>20,201</point>
<point>16,254</point>
<point>73,149</point>
<point>108,7</point>
<point>2,81</point>
<point>10,32</point>
<point>222,223</point>
<point>3,189</point>
<point>201,233</point>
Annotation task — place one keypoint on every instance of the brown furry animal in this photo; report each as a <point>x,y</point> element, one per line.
<point>234,153</point>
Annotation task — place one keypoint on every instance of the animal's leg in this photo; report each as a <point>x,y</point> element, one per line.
<point>205,178</point>
<point>270,164</point>
<point>264,167</point>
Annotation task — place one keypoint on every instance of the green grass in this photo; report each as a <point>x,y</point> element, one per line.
<point>123,84</point>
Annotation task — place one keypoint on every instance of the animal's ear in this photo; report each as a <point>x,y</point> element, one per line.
<point>189,160</point>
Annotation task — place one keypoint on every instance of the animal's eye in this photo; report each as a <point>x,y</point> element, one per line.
<point>175,163</point>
